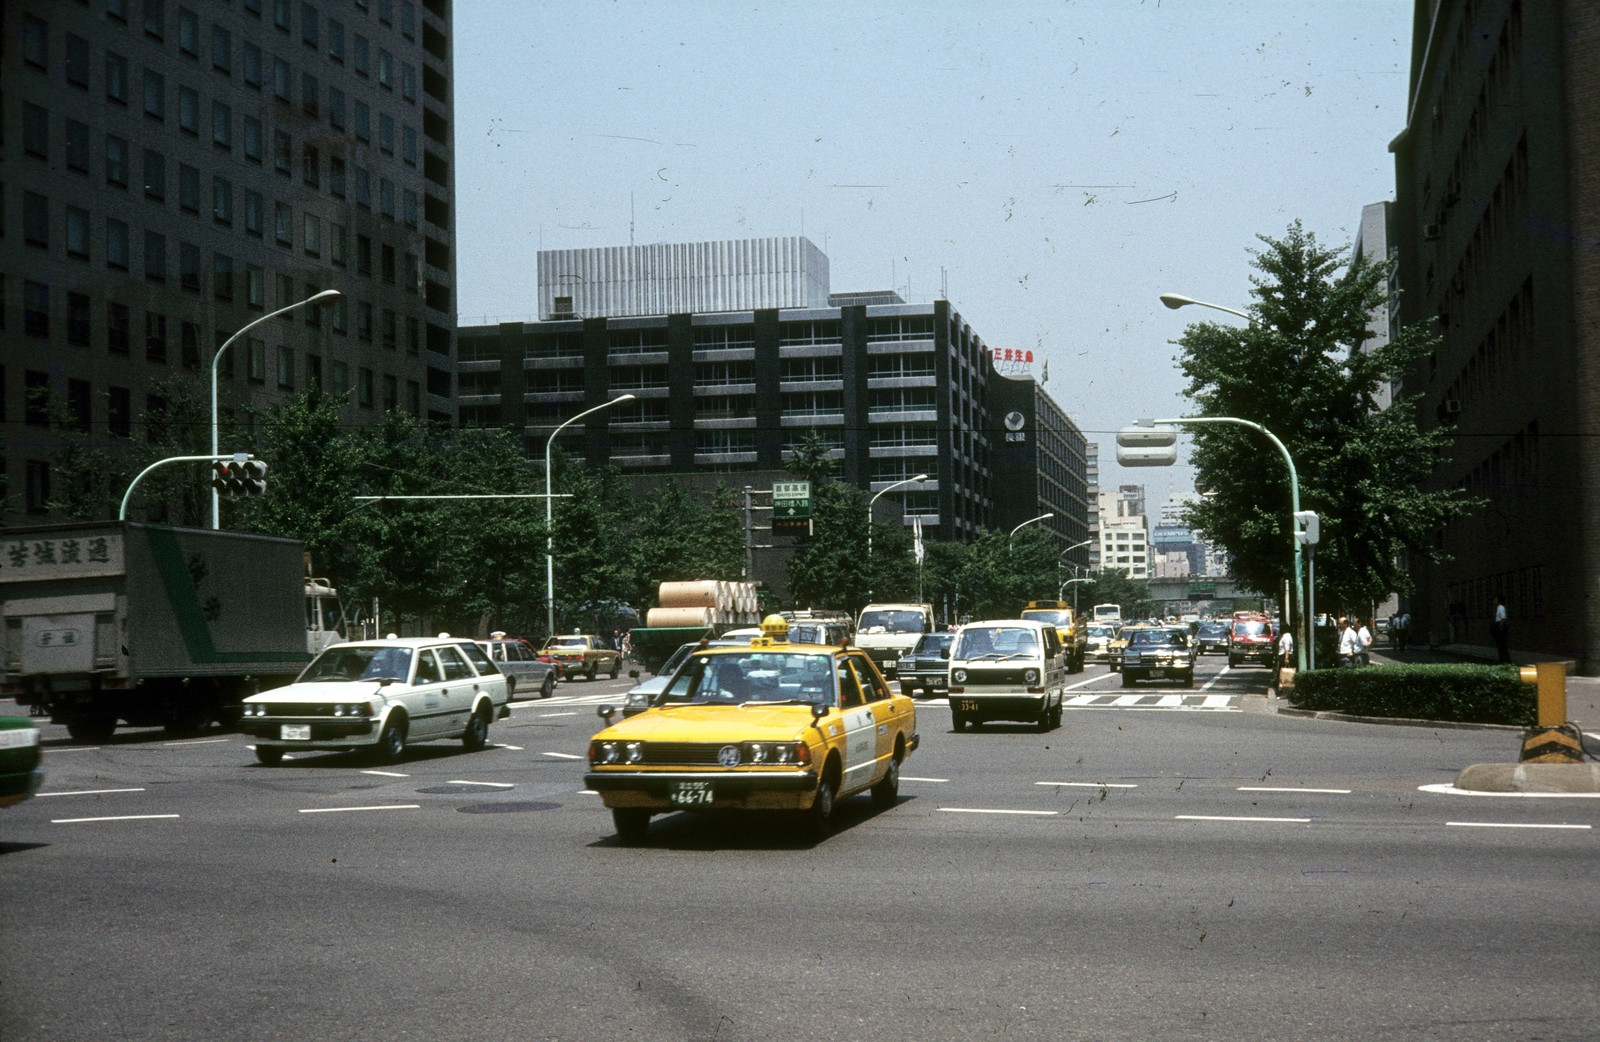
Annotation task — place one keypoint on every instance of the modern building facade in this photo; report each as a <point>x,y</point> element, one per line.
<point>1372,245</point>
<point>172,172</point>
<point>1124,532</point>
<point>1032,441</point>
<point>1497,210</point>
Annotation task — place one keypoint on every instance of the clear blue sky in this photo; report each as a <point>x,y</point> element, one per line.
<point>1063,163</point>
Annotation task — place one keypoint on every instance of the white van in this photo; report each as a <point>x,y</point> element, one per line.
<point>1009,669</point>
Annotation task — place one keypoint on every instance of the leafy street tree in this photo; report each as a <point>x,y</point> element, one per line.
<point>833,570</point>
<point>677,535</point>
<point>1299,370</point>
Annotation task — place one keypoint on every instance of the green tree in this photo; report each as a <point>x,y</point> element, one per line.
<point>1113,586</point>
<point>833,569</point>
<point>591,534</point>
<point>810,459</point>
<point>677,535</point>
<point>1299,370</point>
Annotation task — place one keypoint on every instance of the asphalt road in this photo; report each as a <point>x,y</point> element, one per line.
<point>1144,872</point>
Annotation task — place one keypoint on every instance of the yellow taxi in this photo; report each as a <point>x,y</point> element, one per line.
<point>1117,645</point>
<point>764,726</point>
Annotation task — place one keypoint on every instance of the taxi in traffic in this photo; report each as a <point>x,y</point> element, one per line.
<point>765,726</point>
<point>573,654</point>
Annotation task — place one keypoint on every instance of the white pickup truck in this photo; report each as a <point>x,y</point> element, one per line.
<point>887,631</point>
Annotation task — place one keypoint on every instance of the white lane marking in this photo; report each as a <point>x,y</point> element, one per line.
<point>1220,673</point>
<point>490,784</point>
<point>1215,701</point>
<point>122,817</point>
<point>75,749</point>
<point>1449,789</point>
<point>547,716</point>
<point>977,810</point>
<point>1086,683</point>
<point>1091,784</point>
<point>592,792</point>
<point>518,748</point>
<point>1286,788</point>
<point>337,810</point>
<point>1218,817</point>
<point>1510,825</point>
<point>1126,700</point>
<point>939,780</point>
<point>563,756</point>
<point>387,774</point>
<point>198,741</point>
<point>1167,701</point>
<point>86,792</point>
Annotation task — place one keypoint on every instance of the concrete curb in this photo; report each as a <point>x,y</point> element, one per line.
<point>1530,777</point>
<point>1399,721</point>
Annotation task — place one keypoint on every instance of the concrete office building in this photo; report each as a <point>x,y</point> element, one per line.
<point>1497,208</point>
<point>172,172</point>
<point>1124,531</point>
<point>1032,441</point>
<point>1372,245</point>
<point>895,389</point>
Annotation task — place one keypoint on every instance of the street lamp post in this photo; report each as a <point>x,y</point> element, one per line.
<point>1177,300</point>
<point>216,497</point>
<point>1061,591</point>
<point>549,532</point>
<point>1025,524</point>
<point>872,503</point>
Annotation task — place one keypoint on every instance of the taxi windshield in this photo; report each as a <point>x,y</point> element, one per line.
<point>1054,618</point>
<point>892,622</point>
<point>358,663</point>
<point>995,642</point>
<point>567,642</point>
<point>769,677</point>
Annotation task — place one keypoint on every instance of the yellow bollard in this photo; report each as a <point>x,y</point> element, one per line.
<point>1549,740</point>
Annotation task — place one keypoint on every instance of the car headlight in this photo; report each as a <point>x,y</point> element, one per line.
<point>639,699</point>
<point>1030,676</point>
<point>959,676</point>
<point>757,752</point>
<point>604,752</point>
<point>635,752</point>
<point>338,710</point>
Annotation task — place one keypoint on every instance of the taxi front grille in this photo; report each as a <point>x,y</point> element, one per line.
<point>683,754</point>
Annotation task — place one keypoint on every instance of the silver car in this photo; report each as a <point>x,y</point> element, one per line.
<point>520,663</point>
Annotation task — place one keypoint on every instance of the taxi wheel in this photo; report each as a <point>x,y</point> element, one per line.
<point>548,688</point>
<point>887,790</point>
<point>391,743</point>
<point>270,755</point>
<point>476,735</point>
<point>958,722</point>
<point>632,823</point>
<point>819,819</point>
<point>589,676</point>
<point>616,667</point>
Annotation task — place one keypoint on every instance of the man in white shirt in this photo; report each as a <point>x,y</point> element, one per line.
<point>1364,635</point>
<point>1502,636</point>
<point>1349,643</point>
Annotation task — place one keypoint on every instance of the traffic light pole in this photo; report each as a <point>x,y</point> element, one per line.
<point>1294,524</point>
<point>122,512</point>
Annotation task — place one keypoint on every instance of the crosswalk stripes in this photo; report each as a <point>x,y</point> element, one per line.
<point>1148,701</point>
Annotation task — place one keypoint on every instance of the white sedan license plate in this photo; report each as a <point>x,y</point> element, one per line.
<point>294,732</point>
<point>690,793</point>
<point>1158,672</point>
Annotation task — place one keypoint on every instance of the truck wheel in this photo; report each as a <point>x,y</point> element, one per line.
<point>188,720</point>
<point>548,688</point>
<point>269,755</point>
<point>91,727</point>
<point>632,823</point>
<point>391,743</point>
<point>887,790</point>
<point>476,736</point>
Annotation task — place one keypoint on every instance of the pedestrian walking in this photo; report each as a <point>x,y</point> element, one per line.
<point>1349,644</point>
<point>1364,635</point>
<point>1285,654</point>
<point>1501,630</point>
<point>1397,630</point>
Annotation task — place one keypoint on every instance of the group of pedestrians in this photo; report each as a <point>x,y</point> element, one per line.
<point>1355,641</point>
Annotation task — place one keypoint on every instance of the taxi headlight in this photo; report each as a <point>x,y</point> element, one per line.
<point>635,752</point>
<point>610,752</point>
<point>758,752</point>
<point>1030,676</point>
<point>783,754</point>
<point>639,699</point>
<point>959,676</point>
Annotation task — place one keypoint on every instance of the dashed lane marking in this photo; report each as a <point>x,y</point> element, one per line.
<point>588,792</point>
<point>1450,790</point>
<point>198,741</point>
<point>1287,788</point>
<point>1219,817</point>
<point>120,817</point>
<point>387,774</point>
<point>937,780</point>
<point>1091,784</point>
<point>564,756</point>
<point>502,745</point>
<point>547,716</point>
<point>86,792</point>
<point>490,784</point>
<point>1511,825</point>
<point>75,749</point>
<point>340,810</point>
<point>1167,702</point>
<point>1220,674</point>
<point>983,810</point>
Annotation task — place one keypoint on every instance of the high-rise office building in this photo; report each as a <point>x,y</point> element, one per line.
<point>172,172</point>
<point>1035,442</point>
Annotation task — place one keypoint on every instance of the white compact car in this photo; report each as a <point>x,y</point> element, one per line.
<point>381,695</point>
<point>1011,669</point>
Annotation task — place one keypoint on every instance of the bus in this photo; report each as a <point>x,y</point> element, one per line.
<point>1110,614</point>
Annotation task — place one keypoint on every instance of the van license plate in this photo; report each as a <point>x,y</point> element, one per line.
<point>294,732</point>
<point>968,706</point>
<point>690,793</point>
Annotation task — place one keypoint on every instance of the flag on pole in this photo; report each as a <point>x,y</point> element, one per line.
<point>916,539</point>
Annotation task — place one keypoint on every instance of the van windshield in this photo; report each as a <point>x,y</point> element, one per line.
<point>892,622</point>
<point>995,642</point>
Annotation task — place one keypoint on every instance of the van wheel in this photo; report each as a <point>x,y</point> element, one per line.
<point>1055,717</point>
<point>958,723</point>
<point>270,755</point>
<point>632,823</point>
<point>1044,721</point>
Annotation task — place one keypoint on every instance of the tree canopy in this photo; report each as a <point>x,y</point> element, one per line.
<point>1300,370</point>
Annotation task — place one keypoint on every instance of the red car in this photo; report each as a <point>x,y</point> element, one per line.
<point>1251,639</point>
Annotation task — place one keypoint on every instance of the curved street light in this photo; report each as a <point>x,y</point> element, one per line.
<point>216,496</point>
<point>1178,300</point>
<point>872,503</point>
<point>549,531</point>
<point>1025,524</point>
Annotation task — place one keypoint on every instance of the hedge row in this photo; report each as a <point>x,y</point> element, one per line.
<point>1466,693</point>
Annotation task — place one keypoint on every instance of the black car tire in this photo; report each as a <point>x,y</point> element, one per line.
<point>1188,679</point>
<point>391,745</point>
<point>887,791</point>
<point>476,736</point>
<point>631,823</point>
<point>1128,681</point>
<point>616,667</point>
<point>269,755</point>
<point>548,688</point>
<point>1044,721</point>
<point>1055,716</point>
<point>589,676</point>
<point>819,819</point>
<point>958,722</point>
<point>1233,663</point>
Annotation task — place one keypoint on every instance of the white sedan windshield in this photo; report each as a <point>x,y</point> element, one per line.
<point>995,642</point>
<point>358,663</point>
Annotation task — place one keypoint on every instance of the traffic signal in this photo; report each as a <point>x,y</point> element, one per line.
<point>1310,530</point>
<point>240,476</point>
<point>254,478</point>
<point>1143,446</point>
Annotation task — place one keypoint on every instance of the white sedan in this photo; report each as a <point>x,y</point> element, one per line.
<point>380,695</point>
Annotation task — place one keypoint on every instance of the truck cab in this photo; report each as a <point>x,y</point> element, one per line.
<point>888,631</point>
<point>1070,629</point>
<point>324,616</point>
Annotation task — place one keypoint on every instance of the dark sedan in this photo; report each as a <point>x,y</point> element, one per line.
<point>1158,653</point>
<point>1212,636</point>
<point>926,667</point>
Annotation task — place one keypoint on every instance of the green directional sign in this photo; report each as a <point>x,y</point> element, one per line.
<point>791,500</point>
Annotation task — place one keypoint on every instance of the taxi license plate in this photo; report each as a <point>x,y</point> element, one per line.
<point>968,705</point>
<point>294,732</point>
<point>1158,672</point>
<point>690,793</point>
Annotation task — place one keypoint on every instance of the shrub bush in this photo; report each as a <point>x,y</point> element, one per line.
<point>1466,693</point>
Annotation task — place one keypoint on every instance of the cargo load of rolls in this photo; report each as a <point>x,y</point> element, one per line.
<point>705,602</point>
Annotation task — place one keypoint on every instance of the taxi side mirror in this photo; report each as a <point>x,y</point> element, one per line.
<point>819,710</point>
<point>606,713</point>
<point>385,681</point>
<point>633,674</point>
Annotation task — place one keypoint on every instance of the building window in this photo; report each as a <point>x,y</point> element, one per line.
<point>188,188</point>
<point>280,79</point>
<point>313,313</point>
<point>189,111</point>
<point>116,78</point>
<point>310,93</point>
<point>285,294</point>
<point>36,398</point>
<point>391,393</point>
<point>363,126</point>
<point>155,256</point>
<point>388,264</point>
<point>77,146</point>
<point>35,131</point>
<point>308,26</point>
<point>252,65</point>
<point>116,161</point>
<point>341,316</point>
<point>188,32</point>
<point>35,42</point>
<point>255,287</point>
<point>222,276</point>
<point>311,166</point>
<point>363,188</point>
<point>116,244</point>
<point>222,201</point>
<point>283,220</point>
<point>119,412</point>
<point>252,139</point>
<point>155,175</point>
<point>77,233</point>
<point>285,369</point>
<point>364,389</point>
<point>385,133</point>
<point>336,243</point>
<point>414,398</point>
<point>413,336</point>
<point>190,346</point>
<point>280,14</point>
<point>364,320</point>
<point>189,266</point>
<point>77,61</point>
<point>222,126</point>
<point>155,338</point>
<point>410,209</point>
<point>413,273</point>
<point>221,50</point>
<point>117,328</point>
<point>363,255</point>
<point>360,55</point>
<point>254,213</point>
<point>282,153</point>
<point>386,197</point>
<point>336,177</point>
<point>256,360</point>
<point>385,69</point>
<point>341,378</point>
<point>336,40</point>
<point>155,95</point>
<point>313,372</point>
<point>36,309</point>
<point>36,220</point>
<point>408,151</point>
<point>38,486</point>
<point>408,82</point>
<point>336,108</point>
<point>390,329</point>
<point>78,319</point>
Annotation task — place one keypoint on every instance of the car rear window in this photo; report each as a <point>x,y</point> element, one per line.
<point>1249,629</point>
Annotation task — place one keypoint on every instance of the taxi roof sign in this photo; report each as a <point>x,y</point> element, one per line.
<point>774,630</point>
